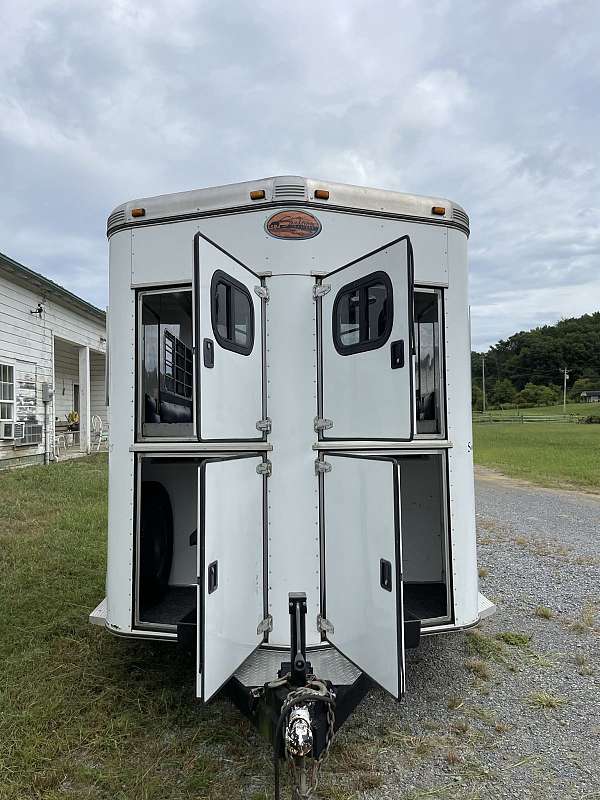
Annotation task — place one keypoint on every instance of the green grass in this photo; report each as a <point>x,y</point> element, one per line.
<point>82,713</point>
<point>545,453</point>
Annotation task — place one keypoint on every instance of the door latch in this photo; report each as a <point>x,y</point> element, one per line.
<point>213,577</point>
<point>385,574</point>
<point>397,354</point>
<point>208,351</point>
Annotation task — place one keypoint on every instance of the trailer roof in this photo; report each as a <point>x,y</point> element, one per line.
<point>287,190</point>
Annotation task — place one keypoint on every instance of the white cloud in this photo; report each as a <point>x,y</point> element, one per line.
<point>493,105</point>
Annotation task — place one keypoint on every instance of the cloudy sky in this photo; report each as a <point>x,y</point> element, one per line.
<point>495,105</point>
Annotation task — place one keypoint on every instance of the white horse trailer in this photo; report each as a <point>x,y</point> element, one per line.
<point>291,482</point>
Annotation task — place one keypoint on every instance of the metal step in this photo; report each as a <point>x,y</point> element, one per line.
<point>264,664</point>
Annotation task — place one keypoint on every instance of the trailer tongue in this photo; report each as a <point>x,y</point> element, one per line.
<point>289,365</point>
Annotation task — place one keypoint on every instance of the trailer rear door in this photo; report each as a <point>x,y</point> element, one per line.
<point>362,566</point>
<point>229,345</point>
<point>230,568</point>
<point>365,327</point>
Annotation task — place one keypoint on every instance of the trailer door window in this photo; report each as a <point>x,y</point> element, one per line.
<point>167,372</point>
<point>232,314</point>
<point>428,368</point>
<point>363,314</point>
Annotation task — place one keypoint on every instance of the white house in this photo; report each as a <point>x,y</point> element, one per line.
<point>52,362</point>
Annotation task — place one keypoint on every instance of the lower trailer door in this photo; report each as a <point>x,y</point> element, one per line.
<point>230,568</point>
<point>362,566</point>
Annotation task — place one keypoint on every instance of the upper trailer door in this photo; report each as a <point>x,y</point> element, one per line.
<point>366,335</point>
<point>362,566</point>
<point>230,568</point>
<point>229,345</point>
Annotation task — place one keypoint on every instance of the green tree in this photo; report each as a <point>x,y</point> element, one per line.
<point>539,355</point>
<point>504,392</point>
<point>583,385</point>
<point>476,398</point>
<point>548,396</point>
<point>529,395</point>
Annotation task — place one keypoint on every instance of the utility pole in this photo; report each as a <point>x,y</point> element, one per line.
<point>566,375</point>
<point>483,377</point>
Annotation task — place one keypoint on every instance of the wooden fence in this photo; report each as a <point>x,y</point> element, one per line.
<point>520,419</point>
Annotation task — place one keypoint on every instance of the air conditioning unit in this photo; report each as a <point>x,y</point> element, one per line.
<point>7,429</point>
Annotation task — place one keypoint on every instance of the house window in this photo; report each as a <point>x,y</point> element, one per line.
<point>7,392</point>
<point>166,364</point>
<point>232,314</point>
<point>363,314</point>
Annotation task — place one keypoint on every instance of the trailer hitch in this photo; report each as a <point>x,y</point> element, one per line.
<point>306,722</point>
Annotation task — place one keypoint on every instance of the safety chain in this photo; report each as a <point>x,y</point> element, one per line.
<point>315,691</point>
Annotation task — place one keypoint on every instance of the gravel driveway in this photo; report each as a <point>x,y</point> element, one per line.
<point>511,710</point>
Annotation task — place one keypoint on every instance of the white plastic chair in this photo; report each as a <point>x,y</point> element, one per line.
<point>99,434</point>
<point>59,440</point>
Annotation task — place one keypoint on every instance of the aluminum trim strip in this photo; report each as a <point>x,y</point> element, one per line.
<point>200,447</point>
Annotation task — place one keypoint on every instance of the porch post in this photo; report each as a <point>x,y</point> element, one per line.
<point>85,421</point>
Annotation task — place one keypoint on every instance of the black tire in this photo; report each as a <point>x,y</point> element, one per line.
<point>156,542</point>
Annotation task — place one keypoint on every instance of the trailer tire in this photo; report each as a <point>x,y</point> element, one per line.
<point>156,542</point>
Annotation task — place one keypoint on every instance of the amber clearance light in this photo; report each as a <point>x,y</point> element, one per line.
<point>321,194</point>
<point>257,194</point>
<point>138,212</point>
<point>438,210</point>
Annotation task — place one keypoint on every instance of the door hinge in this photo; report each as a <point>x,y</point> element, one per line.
<point>322,466</point>
<point>265,625</point>
<point>319,289</point>
<point>322,424</point>
<point>323,625</point>
<point>264,468</point>
<point>262,292</point>
<point>264,425</point>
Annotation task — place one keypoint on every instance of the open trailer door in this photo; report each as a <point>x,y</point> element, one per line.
<point>365,322</point>
<point>230,568</point>
<point>363,606</point>
<point>229,346</point>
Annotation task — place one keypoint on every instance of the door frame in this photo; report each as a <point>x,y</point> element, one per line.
<point>319,280</point>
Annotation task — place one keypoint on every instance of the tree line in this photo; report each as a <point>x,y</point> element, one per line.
<point>527,368</point>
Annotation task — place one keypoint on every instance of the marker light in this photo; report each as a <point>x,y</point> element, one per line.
<point>138,212</point>
<point>257,194</point>
<point>321,194</point>
<point>438,210</point>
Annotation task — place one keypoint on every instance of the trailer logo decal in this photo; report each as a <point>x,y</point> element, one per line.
<point>293,225</point>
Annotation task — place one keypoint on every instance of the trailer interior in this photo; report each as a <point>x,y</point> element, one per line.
<point>167,539</point>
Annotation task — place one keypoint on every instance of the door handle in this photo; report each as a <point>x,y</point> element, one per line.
<point>208,351</point>
<point>213,576</point>
<point>397,354</point>
<point>385,574</point>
